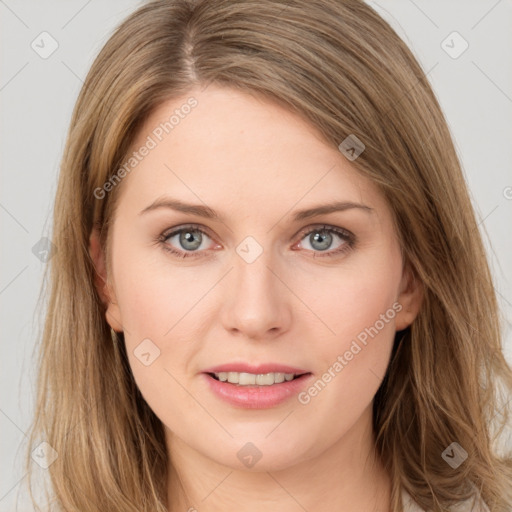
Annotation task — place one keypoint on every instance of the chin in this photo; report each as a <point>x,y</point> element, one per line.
<point>257,454</point>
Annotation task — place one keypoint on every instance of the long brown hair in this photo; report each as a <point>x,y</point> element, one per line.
<point>342,68</point>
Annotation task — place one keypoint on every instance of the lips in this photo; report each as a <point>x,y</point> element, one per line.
<point>273,383</point>
<point>256,369</point>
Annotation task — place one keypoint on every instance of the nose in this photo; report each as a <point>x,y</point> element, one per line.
<point>257,303</point>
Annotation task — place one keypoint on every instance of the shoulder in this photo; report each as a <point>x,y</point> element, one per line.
<point>475,504</point>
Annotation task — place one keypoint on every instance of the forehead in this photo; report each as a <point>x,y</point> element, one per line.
<point>233,149</point>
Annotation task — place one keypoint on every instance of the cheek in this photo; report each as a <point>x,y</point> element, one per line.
<point>153,305</point>
<point>357,297</point>
<point>160,348</point>
<point>153,296</point>
<point>359,306</point>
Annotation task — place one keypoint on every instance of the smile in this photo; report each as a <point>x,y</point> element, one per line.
<point>252,379</point>
<point>256,390</point>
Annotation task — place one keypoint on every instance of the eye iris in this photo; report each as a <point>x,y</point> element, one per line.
<point>323,237</point>
<point>190,237</point>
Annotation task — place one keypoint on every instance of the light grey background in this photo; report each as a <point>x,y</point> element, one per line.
<point>37,96</point>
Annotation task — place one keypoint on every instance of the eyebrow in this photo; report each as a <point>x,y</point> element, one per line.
<point>209,213</point>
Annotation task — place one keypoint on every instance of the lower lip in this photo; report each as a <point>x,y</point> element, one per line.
<point>257,397</point>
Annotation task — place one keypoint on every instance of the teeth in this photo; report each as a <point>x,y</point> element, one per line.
<point>251,379</point>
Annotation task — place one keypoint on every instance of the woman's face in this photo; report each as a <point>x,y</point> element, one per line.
<point>258,281</point>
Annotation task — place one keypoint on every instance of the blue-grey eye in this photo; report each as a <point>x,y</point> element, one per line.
<point>190,239</point>
<point>323,239</point>
<point>320,240</point>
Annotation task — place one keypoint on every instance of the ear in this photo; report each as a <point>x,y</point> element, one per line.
<point>410,298</point>
<point>102,284</point>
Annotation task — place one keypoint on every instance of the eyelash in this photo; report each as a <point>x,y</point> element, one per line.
<point>345,235</point>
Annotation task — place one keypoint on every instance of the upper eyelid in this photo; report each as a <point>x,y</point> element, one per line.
<point>318,227</point>
<point>172,231</point>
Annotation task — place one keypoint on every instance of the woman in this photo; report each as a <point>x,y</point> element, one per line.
<point>270,289</point>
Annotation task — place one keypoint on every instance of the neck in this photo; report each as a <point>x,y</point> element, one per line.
<point>347,477</point>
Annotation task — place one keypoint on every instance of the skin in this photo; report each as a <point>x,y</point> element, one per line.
<point>256,164</point>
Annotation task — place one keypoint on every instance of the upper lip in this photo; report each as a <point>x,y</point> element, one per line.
<point>256,369</point>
